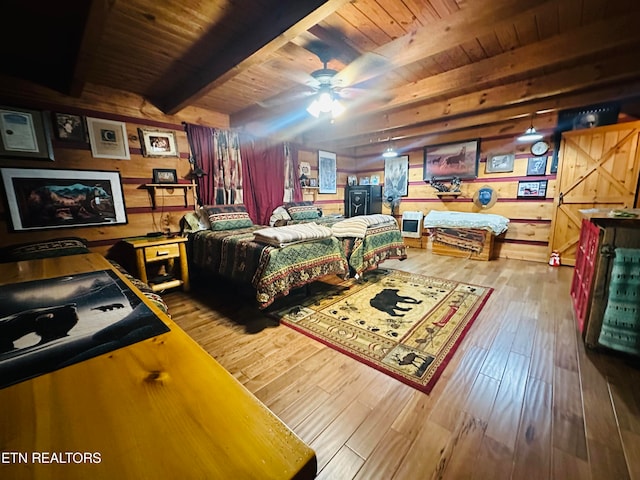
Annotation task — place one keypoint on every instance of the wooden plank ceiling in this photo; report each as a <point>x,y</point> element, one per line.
<point>407,68</point>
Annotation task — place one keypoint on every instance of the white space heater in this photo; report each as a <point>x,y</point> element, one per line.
<point>411,224</point>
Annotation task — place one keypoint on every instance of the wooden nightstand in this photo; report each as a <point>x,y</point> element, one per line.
<point>152,250</point>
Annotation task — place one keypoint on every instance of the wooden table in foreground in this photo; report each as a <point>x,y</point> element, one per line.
<point>158,409</point>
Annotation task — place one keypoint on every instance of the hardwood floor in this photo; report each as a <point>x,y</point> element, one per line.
<point>520,399</point>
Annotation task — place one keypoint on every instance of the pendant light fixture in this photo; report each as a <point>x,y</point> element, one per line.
<point>389,152</point>
<point>530,134</point>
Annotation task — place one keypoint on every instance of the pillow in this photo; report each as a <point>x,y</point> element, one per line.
<point>203,218</point>
<point>279,216</point>
<point>58,247</point>
<point>228,217</point>
<point>302,210</point>
<point>190,223</point>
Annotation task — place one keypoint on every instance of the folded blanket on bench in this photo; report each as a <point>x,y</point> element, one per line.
<point>290,234</point>
<point>357,226</point>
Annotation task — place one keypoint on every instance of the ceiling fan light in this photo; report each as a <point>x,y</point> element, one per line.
<point>314,108</point>
<point>337,108</point>
<point>530,135</point>
<point>325,102</point>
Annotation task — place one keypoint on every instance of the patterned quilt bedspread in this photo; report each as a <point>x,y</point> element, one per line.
<point>272,271</point>
<point>380,243</point>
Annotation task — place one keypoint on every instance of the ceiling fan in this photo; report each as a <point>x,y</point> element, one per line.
<point>330,89</point>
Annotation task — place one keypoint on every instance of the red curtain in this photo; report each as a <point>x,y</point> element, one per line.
<point>263,165</point>
<point>217,154</point>
<point>201,144</point>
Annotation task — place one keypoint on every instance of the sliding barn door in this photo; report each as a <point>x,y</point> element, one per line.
<point>598,168</point>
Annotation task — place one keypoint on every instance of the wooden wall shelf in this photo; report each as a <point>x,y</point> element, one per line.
<point>442,195</point>
<point>152,187</point>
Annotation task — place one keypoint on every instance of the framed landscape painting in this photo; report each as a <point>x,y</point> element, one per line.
<point>50,199</point>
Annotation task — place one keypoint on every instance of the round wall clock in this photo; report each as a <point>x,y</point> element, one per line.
<point>539,148</point>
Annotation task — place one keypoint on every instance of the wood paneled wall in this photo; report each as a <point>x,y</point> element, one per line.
<point>530,220</point>
<point>136,113</point>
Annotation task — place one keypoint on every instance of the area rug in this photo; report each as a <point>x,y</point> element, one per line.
<point>404,324</point>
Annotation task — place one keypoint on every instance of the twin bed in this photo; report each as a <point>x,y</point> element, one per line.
<point>275,260</point>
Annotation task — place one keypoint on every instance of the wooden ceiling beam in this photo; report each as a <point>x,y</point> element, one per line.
<point>581,78</point>
<point>532,58</point>
<point>93,28</point>
<point>489,121</point>
<point>459,28</point>
<point>273,32</point>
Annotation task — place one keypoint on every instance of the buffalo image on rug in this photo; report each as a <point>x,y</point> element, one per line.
<point>404,324</point>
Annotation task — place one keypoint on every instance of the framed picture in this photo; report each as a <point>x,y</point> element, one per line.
<point>48,199</point>
<point>532,189</point>
<point>108,138</point>
<point>327,172</point>
<point>305,169</point>
<point>588,117</point>
<point>364,180</point>
<point>396,176</point>
<point>25,134</point>
<point>450,160</point>
<point>501,162</point>
<point>70,128</point>
<point>158,143</point>
<point>536,165</point>
<point>375,179</point>
<point>164,175</point>
<point>352,180</point>
<point>313,182</point>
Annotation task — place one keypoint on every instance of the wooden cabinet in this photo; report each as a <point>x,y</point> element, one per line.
<point>362,200</point>
<point>161,252</point>
<point>600,235</point>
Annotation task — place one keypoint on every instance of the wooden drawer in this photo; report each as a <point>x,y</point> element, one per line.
<point>161,252</point>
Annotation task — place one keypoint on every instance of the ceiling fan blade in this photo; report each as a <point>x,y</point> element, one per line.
<point>354,93</point>
<point>284,98</point>
<point>297,76</point>
<point>366,66</point>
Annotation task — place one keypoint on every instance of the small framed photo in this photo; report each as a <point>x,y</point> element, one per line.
<point>500,163</point>
<point>108,138</point>
<point>352,180</point>
<point>25,134</point>
<point>313,182</point>
<point>532,189</point>
<point>536,166</point>
<point>305,169</point>
<point>158,143</point>
<point>70,128</point>
<point>375,179</point>
<point>164,175</point>
<point>364,181</point>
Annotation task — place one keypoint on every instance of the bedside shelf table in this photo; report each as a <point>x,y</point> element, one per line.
<point>150,250</point>
<point>152,187</point>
